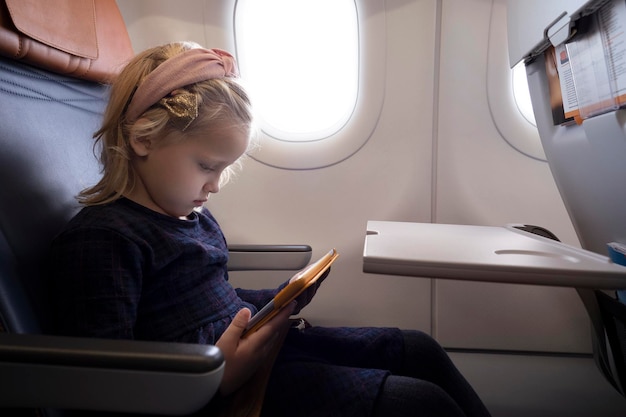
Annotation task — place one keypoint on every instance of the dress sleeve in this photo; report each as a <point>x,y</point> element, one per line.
<point>259,298</point>
<point>96,285</point>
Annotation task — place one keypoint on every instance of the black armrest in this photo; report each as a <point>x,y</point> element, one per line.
<point>41,371</point>
<point>268,257</point>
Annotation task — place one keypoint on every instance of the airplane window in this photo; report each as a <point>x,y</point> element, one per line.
<point>508,95</point>
<point>312,71</point>
<point>522,94</point>
<point>304,79</point>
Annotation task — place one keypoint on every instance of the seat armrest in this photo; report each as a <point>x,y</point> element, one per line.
<point>41,371</point>
<point>268,257</point>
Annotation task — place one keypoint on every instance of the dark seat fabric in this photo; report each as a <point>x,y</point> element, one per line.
<point>613,314</point>
<point>46,157</point>
<point>608,324</point>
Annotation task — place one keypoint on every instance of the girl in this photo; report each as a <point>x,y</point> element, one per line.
<point>144,259</point>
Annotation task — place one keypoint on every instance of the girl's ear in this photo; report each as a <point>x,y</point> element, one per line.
<point>141,145</point>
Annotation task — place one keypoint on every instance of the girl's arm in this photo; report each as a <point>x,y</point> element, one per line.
<point>96,283</point>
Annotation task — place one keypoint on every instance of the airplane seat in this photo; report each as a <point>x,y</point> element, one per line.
<point>47,157</point>
<point>613,348</point>
<point>586,154</point>
<point>48,120</point>
<point>585,162</point>
<point>608,326</point>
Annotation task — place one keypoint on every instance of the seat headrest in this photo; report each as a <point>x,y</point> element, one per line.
<point>85,39</point>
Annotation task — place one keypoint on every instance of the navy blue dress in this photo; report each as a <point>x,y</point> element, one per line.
<point>126,272</point>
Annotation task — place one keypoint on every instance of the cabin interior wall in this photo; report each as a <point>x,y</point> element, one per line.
<point>483,180</point>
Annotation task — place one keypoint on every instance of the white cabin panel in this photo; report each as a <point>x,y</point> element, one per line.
<point>483,180</point>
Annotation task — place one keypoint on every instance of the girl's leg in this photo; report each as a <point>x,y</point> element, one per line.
<point>425,359</point>
<point>402,396</point>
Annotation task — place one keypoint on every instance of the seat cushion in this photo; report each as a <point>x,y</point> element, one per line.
<point>47,157</point>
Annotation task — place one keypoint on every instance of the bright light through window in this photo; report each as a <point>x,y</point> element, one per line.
<point>299,60</point>
<point>522,94</point>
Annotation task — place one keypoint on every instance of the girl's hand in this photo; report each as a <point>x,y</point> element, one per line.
<point>244,356</point>
<point>308,294</point>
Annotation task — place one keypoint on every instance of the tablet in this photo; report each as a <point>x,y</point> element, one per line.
<point>299,282</point>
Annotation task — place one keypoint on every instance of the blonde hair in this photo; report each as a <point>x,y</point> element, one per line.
<point>219,100</point>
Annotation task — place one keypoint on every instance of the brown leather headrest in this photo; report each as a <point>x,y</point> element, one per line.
<point>85,39</point>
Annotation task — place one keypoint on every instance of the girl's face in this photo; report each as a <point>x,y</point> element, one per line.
<point>175,178</point>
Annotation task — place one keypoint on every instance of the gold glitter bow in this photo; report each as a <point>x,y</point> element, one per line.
<point>182,106</point>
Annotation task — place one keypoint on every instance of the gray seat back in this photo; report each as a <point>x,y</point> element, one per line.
<point>46,158</point>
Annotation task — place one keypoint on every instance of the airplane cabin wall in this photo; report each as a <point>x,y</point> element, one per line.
<point>435,155</point>
<point>483,180</point>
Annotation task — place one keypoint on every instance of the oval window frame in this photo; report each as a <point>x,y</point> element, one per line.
<point>512,125</point>
<point>345,142</point>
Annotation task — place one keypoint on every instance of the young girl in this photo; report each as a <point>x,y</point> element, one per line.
<point>144,259</point>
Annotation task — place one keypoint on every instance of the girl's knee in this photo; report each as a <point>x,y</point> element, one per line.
<point>418,342</point>
<point>404,396</point>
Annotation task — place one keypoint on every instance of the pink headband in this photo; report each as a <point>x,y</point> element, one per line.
<point>189,67</point>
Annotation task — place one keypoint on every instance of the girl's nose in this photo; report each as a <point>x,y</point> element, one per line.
<point>212,186</point>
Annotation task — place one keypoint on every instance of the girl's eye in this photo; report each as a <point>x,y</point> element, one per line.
<point>205,167</point>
